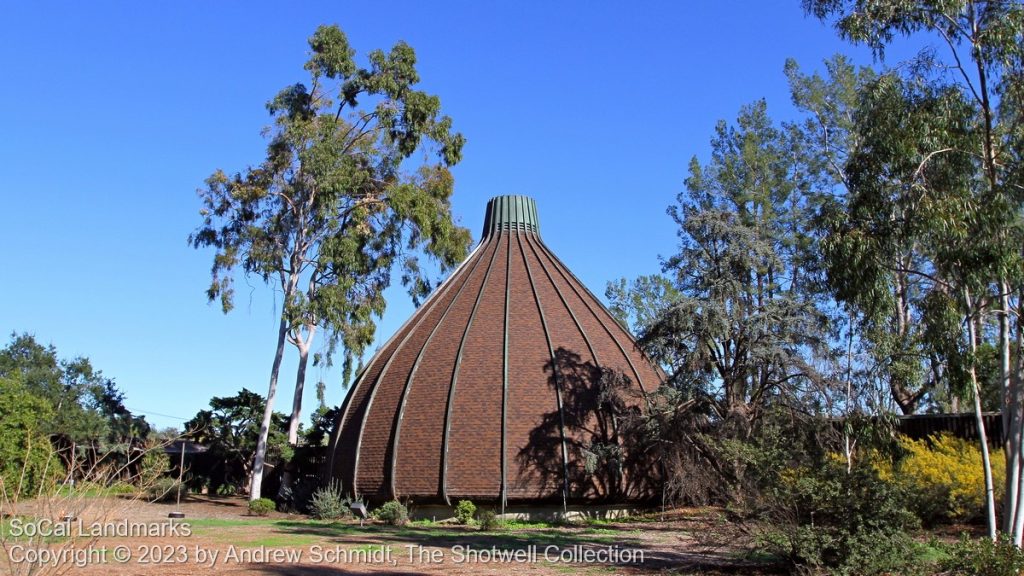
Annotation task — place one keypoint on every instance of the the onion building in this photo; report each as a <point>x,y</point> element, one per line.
<point>497,389</point>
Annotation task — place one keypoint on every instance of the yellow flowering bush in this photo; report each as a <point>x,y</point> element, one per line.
<point>944,474</point>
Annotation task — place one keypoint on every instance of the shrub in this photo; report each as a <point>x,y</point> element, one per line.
<point>163,490</point>
<point>984,557</point>
<point>464,512</point>
<point>27,461</point>
<point>328,503</point>
<point>261,506</point>
<point>392,513</point>
<point>227,490</point>
<point>823,518</point>
<point>120,488</point>
<point>944,478</point>
<point>302,494</point>
<point>489,520</point>
<point>155,463</point>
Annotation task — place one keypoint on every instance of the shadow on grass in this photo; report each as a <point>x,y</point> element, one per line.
<point>226,501</point>
<point>655,556</point>
<point>446,538</point>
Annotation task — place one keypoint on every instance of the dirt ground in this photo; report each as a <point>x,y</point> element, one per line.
<point>222,538</point>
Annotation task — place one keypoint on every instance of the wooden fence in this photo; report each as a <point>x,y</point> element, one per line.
<point>964,426</point>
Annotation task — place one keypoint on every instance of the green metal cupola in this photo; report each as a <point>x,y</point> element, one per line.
<point>511,212</point>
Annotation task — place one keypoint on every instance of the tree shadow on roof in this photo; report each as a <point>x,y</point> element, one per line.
<point>605,459</point>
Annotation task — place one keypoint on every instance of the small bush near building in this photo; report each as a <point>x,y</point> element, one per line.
<point>392,513</point>
<point>489,520</point>
<point>261,506</point>
<point>163,490</point>
<point>328,503</point>
<point>464,512</point>
<point>155,463</point>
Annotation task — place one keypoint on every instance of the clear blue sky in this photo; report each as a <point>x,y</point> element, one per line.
<point>114,113</point>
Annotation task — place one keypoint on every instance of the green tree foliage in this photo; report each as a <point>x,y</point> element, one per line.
<point>942,157</point>
<point>880,320</point>
<point>26,456</point>
<point>230,430</point>
<point>742,319</point>
<point>639,303</point>
<point>68,386</point>
<point>338,203</point>
<point>321,426</point>
<point>85,410</point>
<point>898,248</point>
<point>740,323</point>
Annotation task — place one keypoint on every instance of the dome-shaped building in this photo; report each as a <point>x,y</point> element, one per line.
<point>499,387</point>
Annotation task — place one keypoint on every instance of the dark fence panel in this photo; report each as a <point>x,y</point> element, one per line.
<point>964,426</point>
<point>309,463</point>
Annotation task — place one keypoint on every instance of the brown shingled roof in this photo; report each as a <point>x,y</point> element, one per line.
<point>490,390</point>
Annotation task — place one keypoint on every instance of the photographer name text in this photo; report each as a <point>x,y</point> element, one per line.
<point>330,555</point>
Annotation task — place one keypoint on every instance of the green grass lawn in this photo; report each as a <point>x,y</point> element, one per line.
<point>277,532</point>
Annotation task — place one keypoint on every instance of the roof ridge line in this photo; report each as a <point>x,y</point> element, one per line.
<point>583,332</point>
<point>455,374</point>
<point>555,375</point>
<point>504,380</point>
<point>564,270</point>
<point>339,424</point>
<point>395,438</point>
<point>431,301</point>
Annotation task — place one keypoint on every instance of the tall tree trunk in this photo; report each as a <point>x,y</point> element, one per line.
<point>300,384</point>
<point>1017,432</point>
<point>284,494</point>
<point>904,397</point>
<point>990,504</point>
<point>847,443</point>
<point>1011,416</point>
<point>261,445</point>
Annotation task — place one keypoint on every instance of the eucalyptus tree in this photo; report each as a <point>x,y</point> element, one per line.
<point>882,322</point>
<point>355,183</point>
<point>912,219</point>
<point>974,229</point>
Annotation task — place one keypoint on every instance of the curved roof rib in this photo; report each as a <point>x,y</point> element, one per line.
<point>487,391</point>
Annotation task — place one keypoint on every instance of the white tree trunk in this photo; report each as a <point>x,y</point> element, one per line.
<point>1011,417</point>
<point>300,385</point>
<point>847,444</point>
<point>990,503</point>
<point>1018,511</point>
<point>261,445</point>
<point>1015,436</point>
